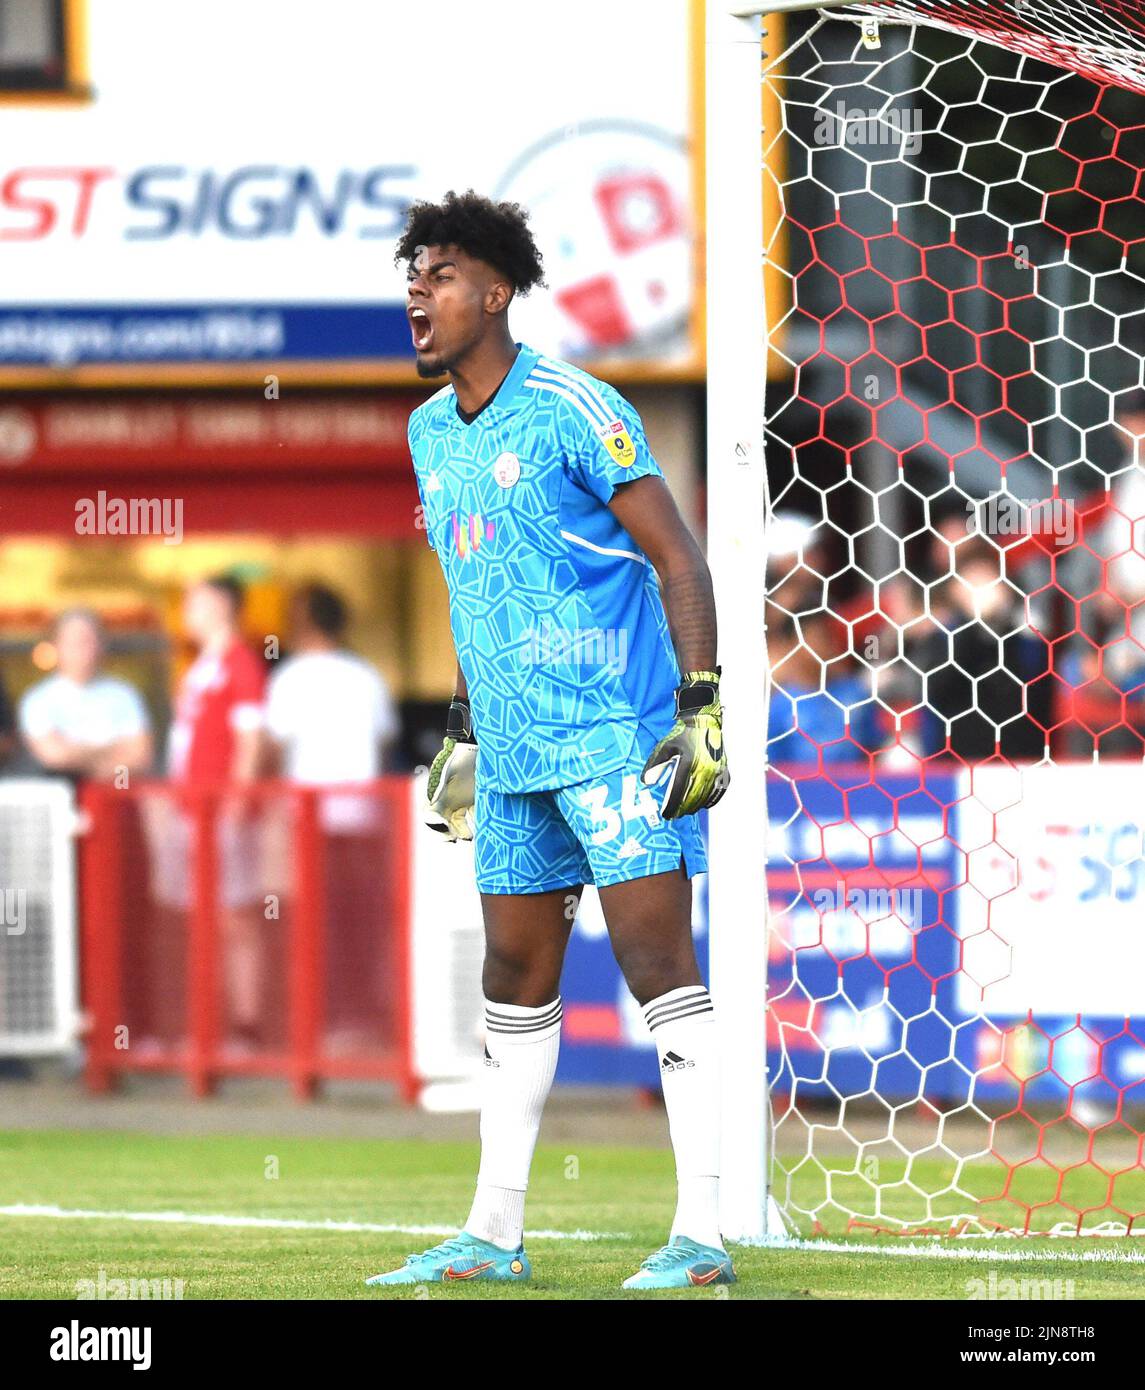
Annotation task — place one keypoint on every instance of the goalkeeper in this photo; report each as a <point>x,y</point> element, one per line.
<point>585,730</point>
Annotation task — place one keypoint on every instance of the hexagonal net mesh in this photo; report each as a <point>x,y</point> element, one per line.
<point>956,626</point>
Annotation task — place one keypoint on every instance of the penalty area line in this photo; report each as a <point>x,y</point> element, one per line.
<point>273,1223</point>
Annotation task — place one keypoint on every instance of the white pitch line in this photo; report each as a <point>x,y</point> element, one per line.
<point>810,1247</point>
<point>947,1252</point>
<point>272,1223</point>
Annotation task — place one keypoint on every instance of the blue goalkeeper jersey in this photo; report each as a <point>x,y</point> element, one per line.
<point>556,612</point>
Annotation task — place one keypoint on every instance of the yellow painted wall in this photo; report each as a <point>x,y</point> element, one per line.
<point>126,581</point>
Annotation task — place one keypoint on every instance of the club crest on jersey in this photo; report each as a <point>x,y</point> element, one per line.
<point>506,469</point>
<point>618,442</point>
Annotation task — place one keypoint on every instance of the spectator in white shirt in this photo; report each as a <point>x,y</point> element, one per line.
<point>79,722</point>
<point>330,720</point>
<point>329,712</point>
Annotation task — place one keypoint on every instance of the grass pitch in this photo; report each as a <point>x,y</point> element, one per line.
<point>624,1196</point>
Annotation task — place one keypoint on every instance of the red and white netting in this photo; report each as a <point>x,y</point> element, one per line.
<point>1105,41</point>
<point>956,625</point>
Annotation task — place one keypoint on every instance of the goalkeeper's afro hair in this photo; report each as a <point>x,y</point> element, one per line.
<point>496,233</point>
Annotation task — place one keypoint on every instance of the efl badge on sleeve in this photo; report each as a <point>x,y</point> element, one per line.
<point>618,442</point>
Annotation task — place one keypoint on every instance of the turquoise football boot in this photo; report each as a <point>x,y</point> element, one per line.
<point>462,1259</point>
<point>683,1264</point>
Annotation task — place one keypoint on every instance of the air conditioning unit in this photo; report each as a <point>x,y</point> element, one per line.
<point>39,1003</point>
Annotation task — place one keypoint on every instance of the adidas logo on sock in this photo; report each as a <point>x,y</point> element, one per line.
<point>489,1061</point>
<point>674,1062</point>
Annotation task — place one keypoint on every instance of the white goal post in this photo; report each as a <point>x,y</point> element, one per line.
<point>736,510</point>
<point>737,487</point>
<point>961,198</point>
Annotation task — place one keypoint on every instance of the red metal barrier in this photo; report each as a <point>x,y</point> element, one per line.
<point>261,933</point>
<point>100,919</point>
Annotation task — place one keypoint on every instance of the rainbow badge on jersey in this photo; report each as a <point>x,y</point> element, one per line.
<point>468,533</point>
<point>618,442</point>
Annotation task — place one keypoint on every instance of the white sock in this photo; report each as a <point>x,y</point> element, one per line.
<point>684,1029</point>
<point>521,1046</point>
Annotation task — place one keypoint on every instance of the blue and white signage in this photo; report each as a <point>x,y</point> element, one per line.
<point>236,197</point>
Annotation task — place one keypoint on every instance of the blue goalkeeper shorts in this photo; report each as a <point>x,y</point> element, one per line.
<point>606,830</point>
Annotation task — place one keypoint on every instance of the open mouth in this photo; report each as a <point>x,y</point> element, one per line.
<point>421,329</point>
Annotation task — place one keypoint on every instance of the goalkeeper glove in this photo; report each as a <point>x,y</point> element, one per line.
<point>451,777</point>
<point>693,748</point>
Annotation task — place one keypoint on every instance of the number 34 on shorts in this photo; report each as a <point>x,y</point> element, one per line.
<point>603,831</point>
<point>636,803</point>
<point>617,822</point>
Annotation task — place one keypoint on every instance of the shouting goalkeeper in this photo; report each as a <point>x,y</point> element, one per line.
<point>584,734</point>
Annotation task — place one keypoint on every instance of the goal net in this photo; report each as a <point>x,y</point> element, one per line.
<point>955,244</point>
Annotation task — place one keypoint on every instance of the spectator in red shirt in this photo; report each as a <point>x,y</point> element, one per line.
<point>215,746</point>
<point>219,711</point>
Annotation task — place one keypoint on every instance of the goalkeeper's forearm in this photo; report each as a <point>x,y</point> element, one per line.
<point>647,512</point>
<point>690,605</point>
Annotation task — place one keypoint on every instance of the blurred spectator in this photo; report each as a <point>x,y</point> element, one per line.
<point>329,714</point>
<point>1118,549</point>
<point>214,752</point>
<point>1103,704</point>
<point>330,719</point>
<point>980,665</point>
<point>796,563</point>
<point>81,723</point>
<point>219,708</point>
<point>821,707</point>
